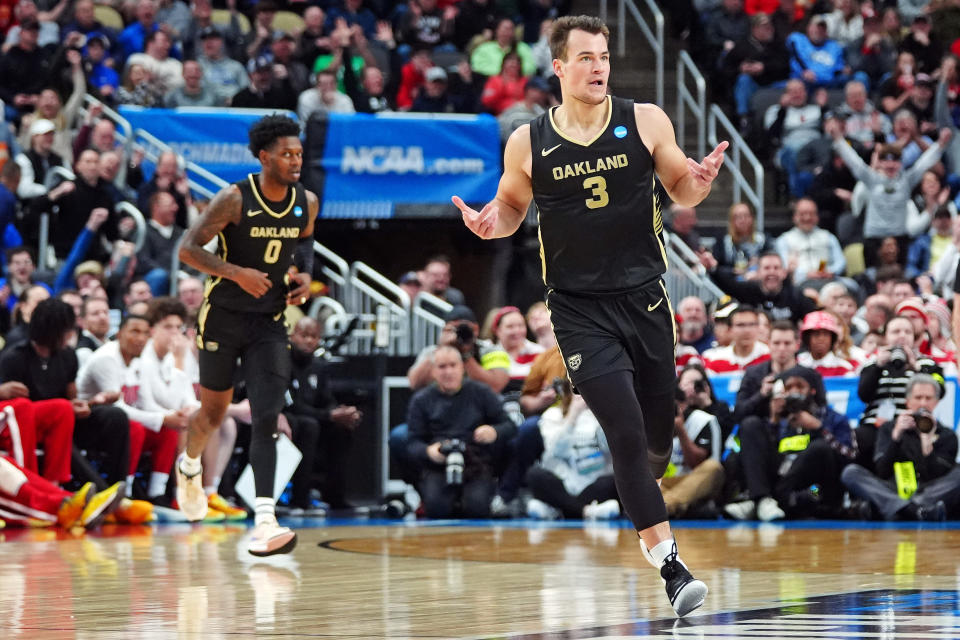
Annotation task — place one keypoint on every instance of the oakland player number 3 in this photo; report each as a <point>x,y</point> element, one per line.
<point>597,186</point>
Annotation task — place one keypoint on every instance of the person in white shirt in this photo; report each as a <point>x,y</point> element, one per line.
<point>167,71</point>
<point>810,252</point>
<point>325,97</point>
<point>744,350</point>
<point>115,367</point>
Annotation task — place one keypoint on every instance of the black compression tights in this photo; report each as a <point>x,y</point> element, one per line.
<point>640,435</point>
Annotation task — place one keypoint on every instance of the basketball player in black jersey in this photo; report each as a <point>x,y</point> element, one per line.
<point>589,164</point>
<point>264,225</point>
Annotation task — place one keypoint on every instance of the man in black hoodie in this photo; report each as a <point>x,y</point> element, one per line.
<point>317,420</point>
<point>771,291</point>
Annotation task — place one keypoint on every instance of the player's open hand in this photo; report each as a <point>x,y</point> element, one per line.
<point>483,222</point>
<point>299,289</point>
<point>254,282</point>
<point>705,172</point>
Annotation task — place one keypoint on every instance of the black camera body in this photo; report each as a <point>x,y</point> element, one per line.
<point>454,449</point>
<point>557,385</point>
<point>795,403</point>
<point>924,420</point>
<point>465,335</point>
<point>898,357</point>
<point>700,386</point>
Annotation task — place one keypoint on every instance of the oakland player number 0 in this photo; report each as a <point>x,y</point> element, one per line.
<point>598,189</point>
<point>272,254</point>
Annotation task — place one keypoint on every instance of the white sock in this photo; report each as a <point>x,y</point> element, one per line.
<point>264,510</point>
<point>213,486</point>
<point>158,484</point>
<point>661,550</point>
<point>129,489</point>
<point>190,466</point>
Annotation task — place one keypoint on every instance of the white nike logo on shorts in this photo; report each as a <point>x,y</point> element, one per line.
<point>651,307</point>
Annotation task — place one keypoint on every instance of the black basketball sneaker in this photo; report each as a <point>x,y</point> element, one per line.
<point>685,592</point>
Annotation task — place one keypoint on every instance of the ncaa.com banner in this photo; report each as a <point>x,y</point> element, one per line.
<point>401,165</point>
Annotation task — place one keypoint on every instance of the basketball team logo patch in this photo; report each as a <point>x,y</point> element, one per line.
<point>574,361</point>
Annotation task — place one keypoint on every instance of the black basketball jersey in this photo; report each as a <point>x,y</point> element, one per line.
<point>264,239</point>
<point>600,221</point>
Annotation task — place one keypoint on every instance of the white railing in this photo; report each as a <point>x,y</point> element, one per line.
<point>335,269</point>
<point>687,100</point>
<point>124,208</point>
<point>425,325</point>
<point>368,294</point>
<point>685,275</point>
<point>736,155</point>
<point>654,36</point>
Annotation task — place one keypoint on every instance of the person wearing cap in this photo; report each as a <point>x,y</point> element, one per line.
<point>410,283</point>
<point>26,11</point>
<point>433,97</point>
<point>325,97</point>
<point>888,189</point>
<point>803,443</point>
<point>820,332</point>
<point>815,58</point>
<point>263,92</point>
<point>37,160</point>
<point>914,308</point>
<point>225,75</point>
<point>536,98</point>
<point>938,326</point>
<point>923,44</point>
<point>913,474</point>
<point>286,66</point>
<point>744,349</point>
<point>754,62</point>
<point>102,77</point>
<point>721,324</point>
<point>436,280</point>
<point>25,69</point>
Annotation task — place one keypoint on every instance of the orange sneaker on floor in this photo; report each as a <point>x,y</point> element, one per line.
<point>71,510</point>
<point>133,511</point>
<point>218,503</point>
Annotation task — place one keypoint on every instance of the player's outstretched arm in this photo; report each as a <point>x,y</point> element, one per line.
<point>222,210</point>
<point>686,181</point>
<point>505,213</point>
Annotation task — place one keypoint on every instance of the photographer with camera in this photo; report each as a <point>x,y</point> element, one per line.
<point>916,476</point>
<point>803,444</point>
<point>698,394</point>
<point>883,383</point>
<point>457,431</point>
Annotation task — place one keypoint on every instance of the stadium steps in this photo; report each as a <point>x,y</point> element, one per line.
<point>635,76</point>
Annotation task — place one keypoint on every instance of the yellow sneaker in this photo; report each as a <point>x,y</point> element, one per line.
<point>101,504</point>
<point>71,509</point>
<point>214,516</point>
<point>216,502</point>
<point>133,511</point>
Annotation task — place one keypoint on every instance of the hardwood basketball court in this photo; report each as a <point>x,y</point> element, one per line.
<point>515,579</point>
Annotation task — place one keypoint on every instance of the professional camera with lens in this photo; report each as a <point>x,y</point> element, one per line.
<point>465,335</point>
<point>454,450</point>
<point>557,385</point>
<point>924,420</point>
<point>795,403</point>
<point>700,386</point>
<point>898,357</point>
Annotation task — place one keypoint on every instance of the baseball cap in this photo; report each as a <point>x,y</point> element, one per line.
<point>822,19</point>
<point>911,304</point>
<point>410,277</point>
<point>282,35</point>
<point>258,63</point>
<point>100,38</point>
<point>435,74</point>
<point>41,126</point>
<point>210,31</point>
<point>89,266</point>
<point>460,312</point>
<point>30,24</point>
<point>925,79</point>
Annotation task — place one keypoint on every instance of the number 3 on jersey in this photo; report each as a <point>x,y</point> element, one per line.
<point>597,187</point>
<point>272,254</point>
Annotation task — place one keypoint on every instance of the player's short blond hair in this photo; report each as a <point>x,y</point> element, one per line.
<point>563,26</point>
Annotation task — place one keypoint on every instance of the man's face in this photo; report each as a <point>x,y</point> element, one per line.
<point>96,318</point>
<point>139,292</point>
<point>108,166</point>
<point>20,267</point>
<point>192,74</point>
<point>164,210</point>
<point>783,346</point>
<point>448,370</point>
<point>43,142</point>
<point>167,166</point>
<point>797,385</point>
<point>307,337</point>
<point>805,216</point>
<point>83,13</point>
<point>771,273</point>
<point>923,396</point>
<point>104,135</point>
<point>763,32</point>
<point>692,311</point>
<point>190,292</point>
<point>796,93</point>
<point>744,329</point>
<point>373,81</point>
<point>212,47</point>
<point>88,166</point>
<point>34,296</point>
<point>844,307</point>
<point>438,277</point>
<point>899,333</point>
<point>132,338</point>
<point>901,291</point>
<point>586,71</point>
<point>918,321</point>
<point>684,219</point>
<point>76,303</point>
<point>165,332</point>
<point>856,96</point>
<point>817,31</point>
<point>284,159</point>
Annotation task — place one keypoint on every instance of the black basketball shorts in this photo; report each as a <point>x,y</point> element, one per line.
<point>225,336</point>
<point>634,331</point>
